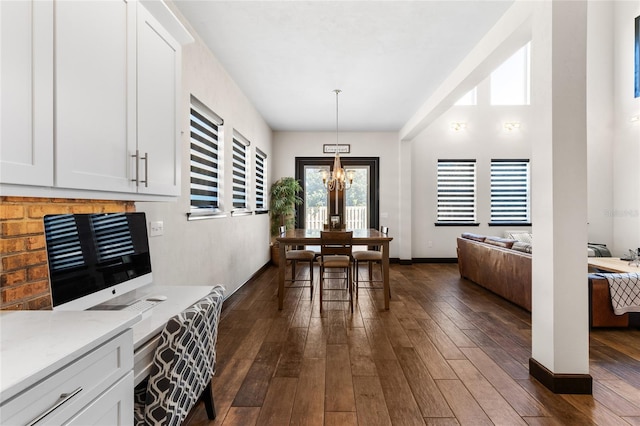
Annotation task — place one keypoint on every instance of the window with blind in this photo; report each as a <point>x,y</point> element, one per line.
<point>261,179</point>
<point>206,160</point>
<point>240,172</point>
<point>456,192</point>
<point>510,192</point>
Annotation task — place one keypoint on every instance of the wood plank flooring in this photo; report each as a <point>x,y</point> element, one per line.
<point>446,353</point>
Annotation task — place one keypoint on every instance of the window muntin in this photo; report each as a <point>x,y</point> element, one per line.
<point>510,191</point>
<point>206,160</point>
<point>261,179</point>
<point>456,191</point>
<point>240,171</point>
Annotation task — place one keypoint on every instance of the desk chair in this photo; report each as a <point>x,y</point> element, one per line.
<point>183,365</point>
<point>370,257</point>
<point>296,256</point>
<point>335,252</point>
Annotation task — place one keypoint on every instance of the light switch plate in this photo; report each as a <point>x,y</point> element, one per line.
<point>156,228</point>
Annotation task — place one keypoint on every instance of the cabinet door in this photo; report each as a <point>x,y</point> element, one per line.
<point>26,85</point>
<point>114,407</point>
<point>158,95</point>
<point>95,94</point>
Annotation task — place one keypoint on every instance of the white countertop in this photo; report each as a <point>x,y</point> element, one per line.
<point>34,344</point>
<point>178,299</point>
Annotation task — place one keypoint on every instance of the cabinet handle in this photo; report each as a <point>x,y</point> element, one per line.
<point>136,180</point>
<point>64,397</point>
<point>146,169</point>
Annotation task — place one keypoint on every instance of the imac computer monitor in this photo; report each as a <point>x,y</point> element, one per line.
<point>95,257</point>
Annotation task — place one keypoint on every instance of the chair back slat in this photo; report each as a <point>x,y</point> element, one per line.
<point>336,243</point>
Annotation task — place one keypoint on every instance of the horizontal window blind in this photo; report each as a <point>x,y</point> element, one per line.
<point>456,191</point>
<point>261,176</point>
<point>510,192</point>
<point>205,158</point>
<point>239,172</point>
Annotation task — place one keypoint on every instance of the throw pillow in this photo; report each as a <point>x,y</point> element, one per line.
<point>474,237</point>
<point>524,236</point>
<point>523,247</point>
<point>500,242</point>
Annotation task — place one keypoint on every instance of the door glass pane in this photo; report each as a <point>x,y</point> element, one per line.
<point>315,197</point>
<point>357,199</point>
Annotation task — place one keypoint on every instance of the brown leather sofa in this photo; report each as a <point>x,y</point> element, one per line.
<point>502,270</point>
<point>495,266</point>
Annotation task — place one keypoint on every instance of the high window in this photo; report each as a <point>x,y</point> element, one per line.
<point>240,171</point>
<point>510,82</point>
<point>261,179</point>
<point>510,192</point>
<point>206,160</point>
<point>456,192</point>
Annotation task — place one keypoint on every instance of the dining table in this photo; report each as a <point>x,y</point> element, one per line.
<point>311,237</point>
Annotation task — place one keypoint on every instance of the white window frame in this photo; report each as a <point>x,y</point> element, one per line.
<point>510,192</point>
<point>206,161</point>
<point>456,192</point>
<point>240,174</point>
<point>261,194</point>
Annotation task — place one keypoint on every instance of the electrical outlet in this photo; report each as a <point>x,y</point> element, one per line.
<point>429,244</point>
<point>156,228</point>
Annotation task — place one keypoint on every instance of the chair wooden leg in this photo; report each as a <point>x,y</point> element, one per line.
<point>209,405</point>
<point>350,284</point>
<point>321,284</point>
<point>311,277</point>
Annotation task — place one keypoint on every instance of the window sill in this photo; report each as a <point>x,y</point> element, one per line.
<point>243,212</point>
<point>456,224</point>
<point>208,214</point>
<point>261,211</point>
<point>509,223</point>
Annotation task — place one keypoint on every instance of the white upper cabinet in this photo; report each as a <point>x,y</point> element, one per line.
<point>95,94</point>
<point>26,85</point>
<point>157,100</point>
<point>90,98</point>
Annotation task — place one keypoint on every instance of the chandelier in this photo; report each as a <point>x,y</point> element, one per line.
<point>338,179</point>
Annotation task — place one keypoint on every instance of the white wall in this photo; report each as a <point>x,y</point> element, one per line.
<point>483,139</point>
<point>600,66</point>
<point>227,250</point>
<point>626,137</point>
<point>288,145</point>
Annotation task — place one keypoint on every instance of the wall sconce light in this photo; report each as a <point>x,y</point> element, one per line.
<point>458,126</point>
<point>511,126</point>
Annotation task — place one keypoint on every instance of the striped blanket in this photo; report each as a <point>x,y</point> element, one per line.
<point>625,292</point>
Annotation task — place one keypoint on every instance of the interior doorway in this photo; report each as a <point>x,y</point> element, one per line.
<point>358,206</point>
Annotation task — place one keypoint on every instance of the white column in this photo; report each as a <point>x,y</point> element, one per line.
<point>404,200</point>
<point>560,332</point>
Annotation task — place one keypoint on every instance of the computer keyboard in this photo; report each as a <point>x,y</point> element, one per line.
<point>141,305</point>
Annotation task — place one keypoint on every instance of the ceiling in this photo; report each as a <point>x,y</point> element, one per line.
<point>387,57</point>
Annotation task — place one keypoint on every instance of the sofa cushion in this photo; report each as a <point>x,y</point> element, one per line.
<point>500,242</point>
<point>523,236</point>
<point>523,247</point>
<point>474,237</point>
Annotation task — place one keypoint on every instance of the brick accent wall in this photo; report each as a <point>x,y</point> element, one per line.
<point>24,275</point>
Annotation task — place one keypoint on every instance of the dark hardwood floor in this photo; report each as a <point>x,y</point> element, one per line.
<point>447,352</point>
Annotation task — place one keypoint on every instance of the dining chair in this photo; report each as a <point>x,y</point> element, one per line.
<point>369,257</point>
<point>335,253</point>
<point>295,256</point>
<point>183,365</point>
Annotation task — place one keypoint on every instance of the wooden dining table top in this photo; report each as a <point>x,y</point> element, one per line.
<point>312,236</point>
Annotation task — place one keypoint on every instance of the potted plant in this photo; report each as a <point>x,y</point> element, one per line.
<point>283,198</point>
